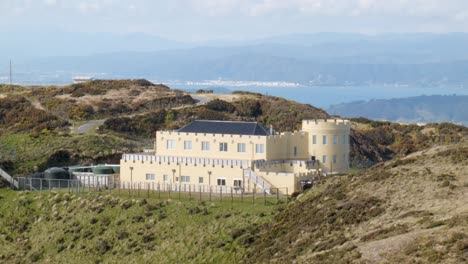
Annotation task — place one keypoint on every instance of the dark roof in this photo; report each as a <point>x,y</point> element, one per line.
<point>225,127</point>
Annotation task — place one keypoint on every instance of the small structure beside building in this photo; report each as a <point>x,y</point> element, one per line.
<point>104,176</point>
<point>245,156</point>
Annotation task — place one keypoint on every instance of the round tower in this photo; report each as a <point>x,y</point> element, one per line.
<point>328,143</point>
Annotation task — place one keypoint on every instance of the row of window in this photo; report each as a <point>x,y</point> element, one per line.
<point>186,179</point>
<point>334,159</point>
<point>223,146</point>
<point>325,139</point>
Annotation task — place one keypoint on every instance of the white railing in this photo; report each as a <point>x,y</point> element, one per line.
<point>91,179</point>
<point>8,178</point>
<point>186,160</point>
<point>257,180</point>
<point>264,163</point>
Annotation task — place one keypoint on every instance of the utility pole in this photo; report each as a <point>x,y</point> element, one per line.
<point>11,80</point>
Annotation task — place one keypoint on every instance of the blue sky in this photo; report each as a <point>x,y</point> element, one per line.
<point>198,20</point>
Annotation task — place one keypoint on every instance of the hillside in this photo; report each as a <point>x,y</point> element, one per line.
<point>376,141</point>
<point>409,206</point>
<point>38,124</point>
<point>47,126</point>
<point>112,228</point>
<point>406,210</point>
<point>420,109</point>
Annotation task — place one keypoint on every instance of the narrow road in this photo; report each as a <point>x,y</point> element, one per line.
<point>85,128</point>
<point>201,99</point>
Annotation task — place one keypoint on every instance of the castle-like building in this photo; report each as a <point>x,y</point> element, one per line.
<point>244,155</point>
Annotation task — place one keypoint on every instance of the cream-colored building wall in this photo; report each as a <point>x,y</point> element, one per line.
<point>214,140</point>
<point>329,128</point>
<point>175,171</point>
<point>282,146</point>
<point>284,181</point>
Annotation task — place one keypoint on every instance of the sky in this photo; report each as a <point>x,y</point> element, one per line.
<point>197,20</point>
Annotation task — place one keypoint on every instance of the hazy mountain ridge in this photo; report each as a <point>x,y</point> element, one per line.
<point>419,109</point>
<point>317,59</point>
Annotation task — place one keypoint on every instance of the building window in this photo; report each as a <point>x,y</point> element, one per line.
<point>334,158</point>
<point>200,179</point>
<point>325,140</point>
<point>324,159</point>
<point>170,144</point>
<point>184,179</point>
<point>240,147</point>
<point>205,146</point>
<point>165,178</point>
<point>295,151</point>
<point>237,183</point>
<point>314,139</point>
<point>259,148</point>
<point>150,176</point>
<point>221,182</point>
<point>343,140</point>
<point>188,145</point>
<point>223,147</point>
<point>335,139</point>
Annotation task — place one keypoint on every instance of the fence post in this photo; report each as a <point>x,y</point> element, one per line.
<point>210,193</point>
<point>40,184</point>
<point>264,197</point>
<point>68,185</point>
<point>221,193</point>
<point>287,196</point>
<point>179,191</point>
<point>242,196</point>
<point>190,192</point>
<point>253,195</point>
<point>232,197</point>
<point>277,195</point>
<point>159,191</point>
<point>170,187</point>
<point>147,194</point>
<point>199,190</point>
<point>49,184</point>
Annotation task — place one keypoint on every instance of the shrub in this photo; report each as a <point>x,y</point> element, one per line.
<point>220,105</point>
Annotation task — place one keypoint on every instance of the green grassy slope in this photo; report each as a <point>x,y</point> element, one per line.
<point>92,228</point>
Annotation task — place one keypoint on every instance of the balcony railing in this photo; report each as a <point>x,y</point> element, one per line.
<point>186,160</point>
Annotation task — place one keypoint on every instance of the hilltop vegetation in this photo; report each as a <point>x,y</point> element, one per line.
<point>409,210</point>
<point>35,121</point>
<point>376,141</point>
<point>282,114</point>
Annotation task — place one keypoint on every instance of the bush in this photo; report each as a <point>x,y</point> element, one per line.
<point>220,105</point>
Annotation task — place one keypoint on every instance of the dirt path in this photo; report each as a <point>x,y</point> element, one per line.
<point>85,128</point>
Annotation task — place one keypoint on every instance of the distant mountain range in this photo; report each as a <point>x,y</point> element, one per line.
<point>419,109</point>
<point>311,59</point>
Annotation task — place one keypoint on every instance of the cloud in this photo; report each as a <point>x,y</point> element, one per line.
<point>213,18</point>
